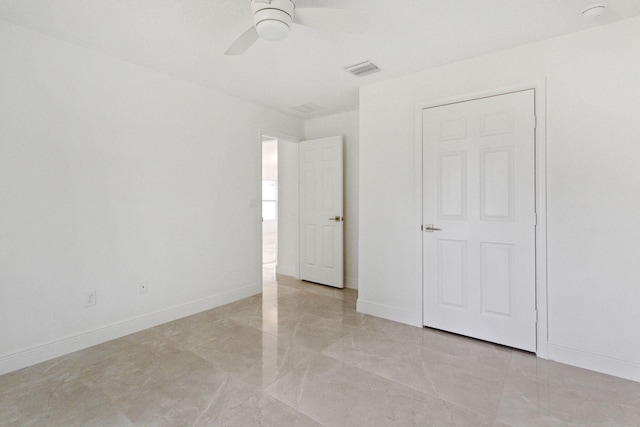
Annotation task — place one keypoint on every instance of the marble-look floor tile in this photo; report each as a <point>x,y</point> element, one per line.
<point>301,328</point>
<point>265,411</point>
<point>55,393</point>
<point>310,288</point>
<point>473,351</point>
<point>249,354</point>
<point>233,307</point>
<point>466,383</point>
<point>336,394</point>
<point>158,383</point>
<point>273,292</point>
<point>319,305</point>
<point>387,329</point>
<point>346,294</point>
<point>546,393</point>
<point>300,355</point>
<point>313,332</point>
<point>266,317</point>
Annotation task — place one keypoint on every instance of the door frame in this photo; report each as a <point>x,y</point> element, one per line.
<point>539,88</point>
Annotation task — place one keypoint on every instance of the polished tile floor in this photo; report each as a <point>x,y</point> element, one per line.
<point>299,355</point>
<point>269,248</point>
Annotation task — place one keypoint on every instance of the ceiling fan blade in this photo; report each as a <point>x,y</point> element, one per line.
<point>330,19</point>
<point>337,4</point>
<point>244,42</point>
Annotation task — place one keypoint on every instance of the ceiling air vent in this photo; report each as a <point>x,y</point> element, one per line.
<point>363,68</point>
<point>308,108</point>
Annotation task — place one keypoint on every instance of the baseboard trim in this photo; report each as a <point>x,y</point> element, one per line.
<point>287,270</point>
<point>610,365</point>
<point>389,313</point>
<point>22,359</point>
<point>351,283</point>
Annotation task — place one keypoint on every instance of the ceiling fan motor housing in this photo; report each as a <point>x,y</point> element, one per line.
<point>272,19</point>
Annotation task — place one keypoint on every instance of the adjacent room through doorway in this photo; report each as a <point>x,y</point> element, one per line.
<point>269,207</point>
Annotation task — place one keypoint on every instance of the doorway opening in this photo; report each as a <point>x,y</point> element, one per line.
<point>269,208</point>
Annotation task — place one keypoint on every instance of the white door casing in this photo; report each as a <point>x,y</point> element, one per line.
<point>479,189</point>
<point>321,211</point>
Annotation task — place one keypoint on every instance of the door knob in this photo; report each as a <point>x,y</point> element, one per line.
<point>336,219</point>
<point>429,228</point>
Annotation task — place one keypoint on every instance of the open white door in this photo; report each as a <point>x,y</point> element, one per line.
<point>321,211</point>
<point>479,219</point>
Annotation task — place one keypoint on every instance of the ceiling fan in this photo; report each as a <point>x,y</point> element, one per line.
<point>272,20</point>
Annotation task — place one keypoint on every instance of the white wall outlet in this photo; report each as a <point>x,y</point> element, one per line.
<point>90,298</point>
<point>143,287</point>
<point>253,203</point>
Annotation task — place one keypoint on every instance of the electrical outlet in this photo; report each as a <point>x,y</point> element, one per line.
<point>143,287</point>
<point>90,299</point>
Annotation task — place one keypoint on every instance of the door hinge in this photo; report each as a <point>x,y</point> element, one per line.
<point>535,122</point>
<point>535,218</point>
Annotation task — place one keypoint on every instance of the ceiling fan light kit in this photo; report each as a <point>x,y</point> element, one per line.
<point>272,19</point>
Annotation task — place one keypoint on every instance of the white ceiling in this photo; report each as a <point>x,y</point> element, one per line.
<point>187,39</point>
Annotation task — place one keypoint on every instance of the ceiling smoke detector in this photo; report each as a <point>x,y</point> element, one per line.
<point>362,69</point>
<point>594,11</point>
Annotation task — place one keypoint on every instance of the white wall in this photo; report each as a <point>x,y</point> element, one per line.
<point>110,175</point>
<point>593,176</point>
<point>344,124</point>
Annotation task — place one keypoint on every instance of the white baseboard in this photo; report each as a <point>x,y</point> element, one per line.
<point>628,369</point>
<point>22,359</point>
<point>389,313</point>
<point>287,270</point>
<point>351,283</point>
